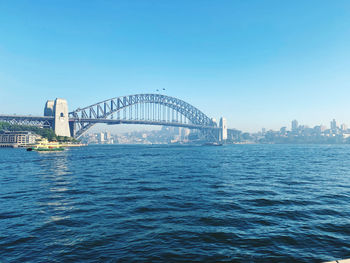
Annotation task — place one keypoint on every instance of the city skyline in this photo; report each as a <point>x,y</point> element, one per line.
<point>257,64</point>
<point>125,128</point>
<point>297,134</point>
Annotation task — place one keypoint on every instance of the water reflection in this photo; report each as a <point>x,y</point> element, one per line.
<point>56,183</point>
<point>56,202</point>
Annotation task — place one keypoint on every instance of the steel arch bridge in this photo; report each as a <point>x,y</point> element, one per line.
<point>150,109</point>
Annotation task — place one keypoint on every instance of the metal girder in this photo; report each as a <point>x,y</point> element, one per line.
<point>38,121</point>
<point>86,117</point>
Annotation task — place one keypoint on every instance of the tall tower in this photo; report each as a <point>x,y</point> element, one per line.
<point>223,129</point>
<point>59,110</point>
<point>333,125</point>
<point>61,118</point>
<point>48,111</point>
<point>294,125</point>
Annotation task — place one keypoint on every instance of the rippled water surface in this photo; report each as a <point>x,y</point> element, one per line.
<point>240,203</point>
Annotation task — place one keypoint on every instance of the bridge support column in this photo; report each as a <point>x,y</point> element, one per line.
<point>61,118</point>
<point>223,130</point>
<point>58,109</point>
<point>72,128</point>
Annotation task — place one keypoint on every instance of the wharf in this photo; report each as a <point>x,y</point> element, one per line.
<point>9,145</point>
<point>16,145</point>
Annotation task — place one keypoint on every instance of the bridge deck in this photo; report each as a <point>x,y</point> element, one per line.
<point>146,122</point>
<point>26,117</point>
<point>108,121</point>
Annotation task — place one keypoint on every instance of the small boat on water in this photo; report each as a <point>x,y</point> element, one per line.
<point>212,144</point>
<point>45,146</point>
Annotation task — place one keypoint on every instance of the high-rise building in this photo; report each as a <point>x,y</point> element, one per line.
<point>101,137</point>
<point>295,125</point>
<point>333,125</point>
<point>107,136</point>
<point>344,127</point>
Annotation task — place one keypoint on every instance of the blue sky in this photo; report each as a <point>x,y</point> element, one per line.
<point>258,63</point>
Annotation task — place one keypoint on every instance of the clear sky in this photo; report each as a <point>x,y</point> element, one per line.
<point>258,63</point>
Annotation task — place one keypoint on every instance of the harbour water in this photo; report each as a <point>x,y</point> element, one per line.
<point>239,203</point>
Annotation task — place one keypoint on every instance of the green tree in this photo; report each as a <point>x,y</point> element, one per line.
<point>44,132</point>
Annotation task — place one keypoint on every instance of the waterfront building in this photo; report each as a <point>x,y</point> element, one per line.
<point>17,138</point>
<point>344,127</point>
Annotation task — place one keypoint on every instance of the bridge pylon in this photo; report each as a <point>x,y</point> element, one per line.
<point>222,130</point>
<point>59,110</point>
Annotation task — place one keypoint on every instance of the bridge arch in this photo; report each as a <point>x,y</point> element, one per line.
<point>153,109</point>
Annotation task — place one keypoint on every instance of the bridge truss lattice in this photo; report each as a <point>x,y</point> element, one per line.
<point>153,109</point>
<point>42,122</point>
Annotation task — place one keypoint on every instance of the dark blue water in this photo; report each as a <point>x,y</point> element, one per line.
<point>240,203</point>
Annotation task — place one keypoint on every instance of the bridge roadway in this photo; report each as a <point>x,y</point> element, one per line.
<point>26,117</point>
<point>146,122</point>
<point>47,121</point>
<point>106,121</point>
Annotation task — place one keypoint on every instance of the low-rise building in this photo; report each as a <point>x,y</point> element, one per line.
<point>17,138</point>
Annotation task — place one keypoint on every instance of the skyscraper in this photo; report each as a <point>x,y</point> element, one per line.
<point>333,125</point>
<point>295,125</point>
<point>344,127</point>
<point>101,137</point>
